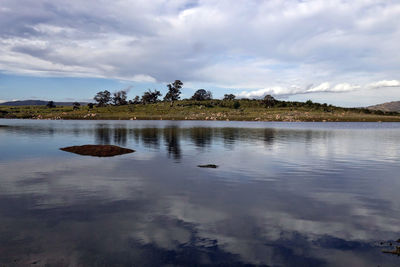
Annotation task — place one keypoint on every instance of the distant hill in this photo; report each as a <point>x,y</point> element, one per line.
<point>37,103</point>
<point>388,106</point>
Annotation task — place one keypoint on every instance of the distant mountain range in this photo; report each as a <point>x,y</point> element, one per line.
<point>37,103</point>
<point>388,106</point>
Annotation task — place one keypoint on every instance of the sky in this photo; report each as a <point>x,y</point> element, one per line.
<point>341,52</point>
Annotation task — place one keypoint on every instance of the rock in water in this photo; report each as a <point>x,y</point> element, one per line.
<point>213,166</point>
<point>98,150</point>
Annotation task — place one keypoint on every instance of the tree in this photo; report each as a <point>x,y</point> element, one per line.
<point>269,101</point>
<point>51,104</point>
<point>236,105</point>
<point>90,105</point>
<point>136,100</point>
<point>119,98</point>
<point>309,103</point>
<point>102,98</point>
<point>76,105</point>
<point>201,95</point>
<point>174,91</point>
<point>150,97</point>
<point>229,97</point>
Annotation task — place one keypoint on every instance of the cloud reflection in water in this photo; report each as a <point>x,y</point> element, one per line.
<point>307,195</point>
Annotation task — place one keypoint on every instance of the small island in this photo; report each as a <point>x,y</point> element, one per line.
<point>98,150</point>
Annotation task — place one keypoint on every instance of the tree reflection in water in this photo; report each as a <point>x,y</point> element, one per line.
<point>201,136</point>
<point>120,136</point>
<point>171,137</point>
<point>102,134</point>
<point>150,137</point>
<point>310,196</point>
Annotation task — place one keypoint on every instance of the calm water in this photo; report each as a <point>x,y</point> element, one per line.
<point>285,194</point>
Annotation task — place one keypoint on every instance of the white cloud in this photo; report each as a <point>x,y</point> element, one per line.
<point>385,83</point>
<point>326,87</point>
<point>140,78</point>
<point>323,87</point>
<point>277,90</point>
<point>345,87</point>
<point>243,44</point>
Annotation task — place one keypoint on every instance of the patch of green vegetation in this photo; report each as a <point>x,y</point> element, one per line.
<point>240,110</point>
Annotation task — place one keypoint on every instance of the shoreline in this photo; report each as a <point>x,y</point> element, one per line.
<point>178,119</point>
<point>201,111</point>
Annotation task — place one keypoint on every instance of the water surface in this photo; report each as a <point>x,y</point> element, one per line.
<point>285,194</point>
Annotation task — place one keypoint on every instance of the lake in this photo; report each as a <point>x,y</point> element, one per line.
<point>284,194</point>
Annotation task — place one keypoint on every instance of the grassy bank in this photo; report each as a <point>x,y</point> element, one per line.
<point>243,110</point>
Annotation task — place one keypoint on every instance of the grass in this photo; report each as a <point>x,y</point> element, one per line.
<point>249,110</point>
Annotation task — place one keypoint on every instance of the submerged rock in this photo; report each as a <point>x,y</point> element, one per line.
<point>213,166</point>
<point>98,150</point>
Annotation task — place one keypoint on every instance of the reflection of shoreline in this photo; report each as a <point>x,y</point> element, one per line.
<point>152,135</point>
<point>282,197</point>
<point>200,136</point>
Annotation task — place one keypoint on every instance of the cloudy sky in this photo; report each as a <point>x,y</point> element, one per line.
<point>344,52</point>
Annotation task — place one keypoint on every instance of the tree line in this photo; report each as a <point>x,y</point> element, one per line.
<point>119,98</point>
